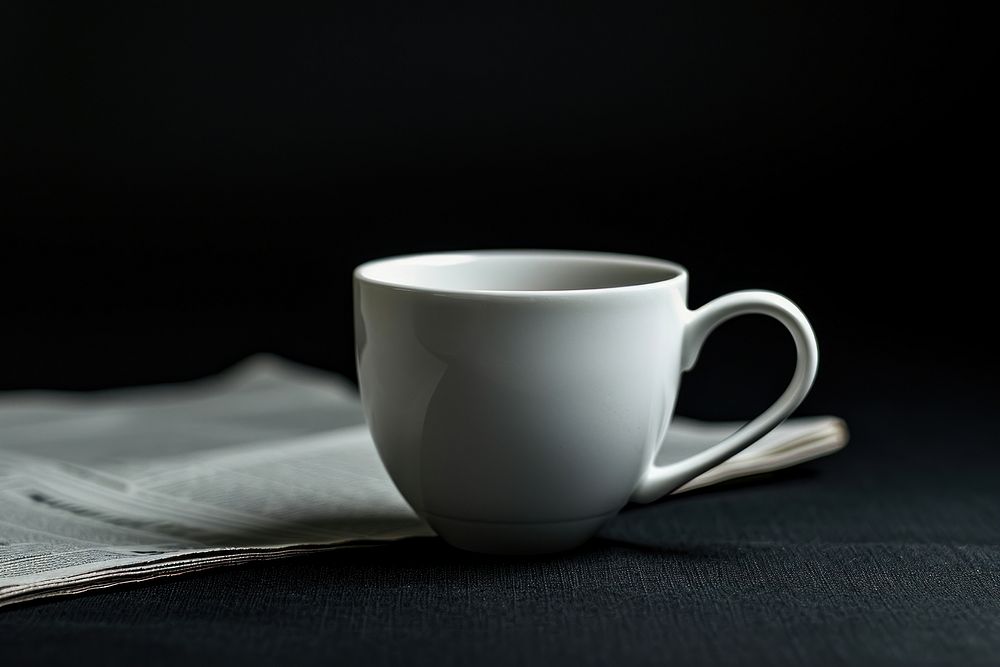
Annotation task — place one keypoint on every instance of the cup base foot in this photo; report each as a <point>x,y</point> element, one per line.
<point>500,538</point>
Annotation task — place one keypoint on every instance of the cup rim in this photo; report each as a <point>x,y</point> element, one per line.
<point>362,273</point>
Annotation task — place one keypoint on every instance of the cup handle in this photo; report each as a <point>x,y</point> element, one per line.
<point>658,481</point>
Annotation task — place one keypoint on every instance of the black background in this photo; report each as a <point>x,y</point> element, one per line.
<point>189,183</point>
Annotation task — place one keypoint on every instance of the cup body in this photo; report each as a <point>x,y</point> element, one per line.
<point>515,398</point>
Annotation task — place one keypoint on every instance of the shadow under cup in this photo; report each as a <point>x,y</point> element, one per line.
<point>516,398</point>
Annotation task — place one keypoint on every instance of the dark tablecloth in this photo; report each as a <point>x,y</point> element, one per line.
<point>887,553</point>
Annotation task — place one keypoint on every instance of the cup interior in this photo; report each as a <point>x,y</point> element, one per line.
<point>517,271</point>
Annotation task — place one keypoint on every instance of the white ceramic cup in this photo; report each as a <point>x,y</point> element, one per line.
<point>518,398</point>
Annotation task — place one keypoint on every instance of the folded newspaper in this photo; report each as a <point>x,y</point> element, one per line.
<point>264,461</point>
